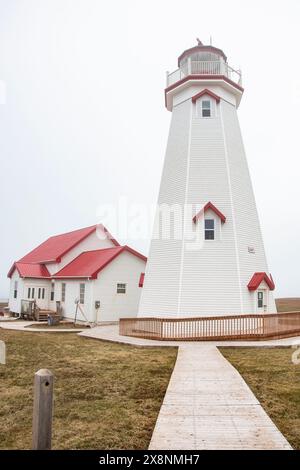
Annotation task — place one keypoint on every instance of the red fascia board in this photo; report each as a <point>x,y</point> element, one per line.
<point>96,272</point>
<point>71,277</point>
<point>88,276</point>
<point>36,277</point>
<point>134,252</point>
<point>210,205</point>
<point>202,77</point>
<point>124,248</point>
<point>109,235</point>
<point>11,271</point>
<point>258,278</point>
<point>51,261</point>
<point>58,259</point>
<point>206,92</point>
<point>88,232</point>
<point>141,281</point>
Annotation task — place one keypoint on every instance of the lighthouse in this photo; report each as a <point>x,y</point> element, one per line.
<point>211,261</point>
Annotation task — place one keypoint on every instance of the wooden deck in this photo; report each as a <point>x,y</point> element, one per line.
<point>231,327</point>
<point>30,311</point>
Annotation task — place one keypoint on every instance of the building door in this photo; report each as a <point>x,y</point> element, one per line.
<point>261,301</point>
<point>41,296</point>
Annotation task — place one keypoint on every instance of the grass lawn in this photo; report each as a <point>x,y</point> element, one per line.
<point>107,396</point>
<point>275,381</point>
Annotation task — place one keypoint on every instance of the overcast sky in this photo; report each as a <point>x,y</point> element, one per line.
<point>84,121</point>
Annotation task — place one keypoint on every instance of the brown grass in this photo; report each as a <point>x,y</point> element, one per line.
<point>107,396</point>
<point>275,381</point>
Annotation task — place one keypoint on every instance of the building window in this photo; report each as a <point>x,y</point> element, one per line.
<point>81,293</point>
<point>209,229</point>
<point>32,293</point>
<point>52,291</point>
<point>15,289</point>
<point>41,293</point>
<point>260,299</point>
<point>63,292</point>
<point>28,293</point>
<point>121,288</point>
<point>206,108</point>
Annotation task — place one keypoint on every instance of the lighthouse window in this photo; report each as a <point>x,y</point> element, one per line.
<point>209,229</point>
<point>206,108</point>
<point>121,288</point>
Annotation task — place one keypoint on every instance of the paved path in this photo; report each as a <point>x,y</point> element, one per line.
<point>20,325</point>
<point>111,333</point>
<point>209,406</point>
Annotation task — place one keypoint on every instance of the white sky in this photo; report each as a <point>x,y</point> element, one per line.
<point>84,120</point>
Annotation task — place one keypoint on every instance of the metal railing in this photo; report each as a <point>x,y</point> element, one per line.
<point>196,67</point>
<point>28,309</point>
<point>233,327</point>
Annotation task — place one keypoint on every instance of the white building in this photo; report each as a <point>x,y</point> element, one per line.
<point>86,264</point>
<point>206,175</point>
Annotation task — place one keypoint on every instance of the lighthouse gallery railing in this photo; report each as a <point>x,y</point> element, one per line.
<point>234,327</point>
<point>197,67</point>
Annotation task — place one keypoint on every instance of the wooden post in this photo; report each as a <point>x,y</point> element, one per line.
<point>42,410</point>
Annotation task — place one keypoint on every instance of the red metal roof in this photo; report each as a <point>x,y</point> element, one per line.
<point>207,206</point>
<point>142,278</point>
<point>55,247</point>
<point>258,278</point>
<point>90,263</point>
<point>30,270</point>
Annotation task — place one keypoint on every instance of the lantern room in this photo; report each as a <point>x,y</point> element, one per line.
<point>203,60</point>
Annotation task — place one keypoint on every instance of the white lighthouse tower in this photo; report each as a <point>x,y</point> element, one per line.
<point>218,266</point>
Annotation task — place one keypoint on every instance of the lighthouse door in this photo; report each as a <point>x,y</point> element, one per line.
<point>261,301</point>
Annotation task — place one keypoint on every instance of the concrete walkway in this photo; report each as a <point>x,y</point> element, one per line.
<point>209,406</point>
<point>111,333</point>
<point>20,325</point>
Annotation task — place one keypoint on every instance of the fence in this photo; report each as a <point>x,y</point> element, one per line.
<point>233,327</point>
<point>202,67</point>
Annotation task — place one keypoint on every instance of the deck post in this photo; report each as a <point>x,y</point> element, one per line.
<point>42,410</point>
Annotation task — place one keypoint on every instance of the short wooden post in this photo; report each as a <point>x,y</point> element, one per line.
<point>42,410</point>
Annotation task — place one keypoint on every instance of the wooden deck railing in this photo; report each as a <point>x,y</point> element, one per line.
<point>233,327</point>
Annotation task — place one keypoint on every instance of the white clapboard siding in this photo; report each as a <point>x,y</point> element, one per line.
<point>15,304</point>
<point>205,161</point>
<point>125,269</point>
